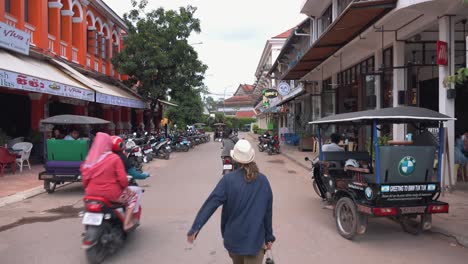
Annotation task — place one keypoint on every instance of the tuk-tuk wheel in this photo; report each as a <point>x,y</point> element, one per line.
<point>49,186</point>
<point>348,219</point>
<point>416,224</point>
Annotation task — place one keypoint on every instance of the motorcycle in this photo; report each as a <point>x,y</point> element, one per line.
<point>273,145</point>
<point>162,149</point>
<point>135,154</point>
<point>228,165</point>
<point>103,221</point>
<point>263,143</point>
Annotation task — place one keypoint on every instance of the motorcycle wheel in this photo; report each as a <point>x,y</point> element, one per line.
<point>186,148</point>
<point>260,149</point>
<point>167,155</point>
<point>97,253</point>
<point>316,188</point>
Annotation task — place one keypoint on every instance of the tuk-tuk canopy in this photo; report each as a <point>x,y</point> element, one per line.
<point>395,115</point>
<point>74,120</point>
<point>219,124</point>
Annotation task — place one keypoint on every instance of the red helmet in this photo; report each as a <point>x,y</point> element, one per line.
<point>117,144</point>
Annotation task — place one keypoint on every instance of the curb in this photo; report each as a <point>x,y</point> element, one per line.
<point>461,240</point>
<point>23,195</point>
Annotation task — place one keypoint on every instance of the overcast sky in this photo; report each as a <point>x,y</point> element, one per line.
<point>234,34</point>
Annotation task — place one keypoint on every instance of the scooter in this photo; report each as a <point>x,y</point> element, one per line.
<point>162,149</point>
<point>273,145</point>
<point>103,221</point>
<point>228,165</point>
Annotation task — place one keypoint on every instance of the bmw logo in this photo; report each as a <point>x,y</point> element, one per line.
<point>369,193</point>
<point>407,166</point>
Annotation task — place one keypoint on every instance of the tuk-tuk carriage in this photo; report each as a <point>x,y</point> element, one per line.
<point>63,158</point>
<point>397,180</point>
<point>219,131</point>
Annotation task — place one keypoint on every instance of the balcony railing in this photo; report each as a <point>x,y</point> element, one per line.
<point>51,43</point>
<point>75,55</point>
<point>96,66</point>
<point>30,29</point>
<point>63,49</point>
<point>10,20</point>
<point>88,60</point>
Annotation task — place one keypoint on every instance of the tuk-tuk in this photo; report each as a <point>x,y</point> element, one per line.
<point>219,131</point>
<point>397,180</point>
<point>63,158</point>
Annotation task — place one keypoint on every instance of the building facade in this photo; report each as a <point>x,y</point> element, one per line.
<point>266,110</point>
<point>383,53</point>
<point>241,104</point>
<point>56,59</point>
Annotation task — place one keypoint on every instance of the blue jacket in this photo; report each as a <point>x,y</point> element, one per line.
<point>246,219</point>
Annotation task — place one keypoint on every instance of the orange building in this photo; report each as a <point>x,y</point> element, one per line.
<point>55,59</point>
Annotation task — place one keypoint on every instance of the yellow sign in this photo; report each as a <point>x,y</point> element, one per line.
<point>164,121</point>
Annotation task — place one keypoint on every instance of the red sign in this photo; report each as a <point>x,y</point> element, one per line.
<point>442,53</point>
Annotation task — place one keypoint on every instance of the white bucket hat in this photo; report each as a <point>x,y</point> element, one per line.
<point>243,152</point>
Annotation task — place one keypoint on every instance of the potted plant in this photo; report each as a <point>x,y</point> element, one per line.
<point>255,128</point>
<point>306,141</point>
<point>460,78</point>
<point>4,138</point>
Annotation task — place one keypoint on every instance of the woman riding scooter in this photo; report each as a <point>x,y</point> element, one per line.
<point>118,147</point>
<point>104,176</point>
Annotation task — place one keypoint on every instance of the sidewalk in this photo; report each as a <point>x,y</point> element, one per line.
<point>21,185</point>
<point>454,224</point>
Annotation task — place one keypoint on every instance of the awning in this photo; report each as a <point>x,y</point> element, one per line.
<point>357,17</point>
<point>105,93</point>
<point>292,95</point>
<point>34,75</point>
<point>167,103</point>
<point>396,115</point>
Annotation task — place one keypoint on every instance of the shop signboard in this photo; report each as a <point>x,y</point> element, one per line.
<point>284,88</point>
<point>14,39</point>
<point>442,53</point>
<point>120,101</point>
<point>270,93</point>
<point>24,82</point>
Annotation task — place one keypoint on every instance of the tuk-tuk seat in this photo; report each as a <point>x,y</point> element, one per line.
<point>67,150</point>
<point>339,158</point>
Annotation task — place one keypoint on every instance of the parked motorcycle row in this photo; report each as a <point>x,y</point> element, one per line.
<point>104,220</point>
<point>268,143</point>
<point>149,146</point>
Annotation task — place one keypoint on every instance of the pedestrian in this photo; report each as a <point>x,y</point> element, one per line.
<point>247,199</point>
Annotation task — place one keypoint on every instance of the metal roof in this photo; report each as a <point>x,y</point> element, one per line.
<point>74,120</point>
<point>402,114</point>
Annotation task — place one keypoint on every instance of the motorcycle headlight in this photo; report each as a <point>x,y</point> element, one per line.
<point>369,193</point>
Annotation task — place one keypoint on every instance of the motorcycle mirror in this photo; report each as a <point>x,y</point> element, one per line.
<point>307,159</point>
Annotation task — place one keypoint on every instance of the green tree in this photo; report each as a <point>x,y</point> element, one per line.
<point>210,103</point>
<point>190,109</point>
<point>157,56</point>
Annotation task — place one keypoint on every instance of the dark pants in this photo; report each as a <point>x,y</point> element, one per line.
<point>239,259</point>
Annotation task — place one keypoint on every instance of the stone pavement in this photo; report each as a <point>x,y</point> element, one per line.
<point>454,224</point>
<point>20,181</point>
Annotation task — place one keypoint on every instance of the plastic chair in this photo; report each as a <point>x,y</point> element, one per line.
<point>25,148</point>
<point>12,142</point>
<point>6,158</point>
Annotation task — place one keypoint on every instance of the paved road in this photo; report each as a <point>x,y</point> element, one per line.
<point>306,233</point>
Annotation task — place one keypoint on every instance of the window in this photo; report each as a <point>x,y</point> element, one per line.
<point>328,98</point>
<point>26,11</point>
<point>103,48</point>
<point>96,43</point>
<point>342,5</point>
<point>8,6</point>
<point>326,18</point>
